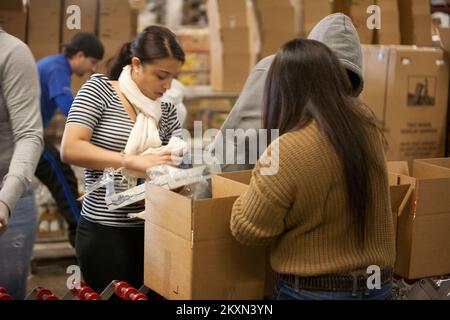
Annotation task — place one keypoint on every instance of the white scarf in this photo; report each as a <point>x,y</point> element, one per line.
<point>144,137</point>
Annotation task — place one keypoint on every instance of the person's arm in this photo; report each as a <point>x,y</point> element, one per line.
<point>60,91</point>
<point>76,147</point>
<point>64,102</point>
<point>258,215</point>
<point>21,91</point>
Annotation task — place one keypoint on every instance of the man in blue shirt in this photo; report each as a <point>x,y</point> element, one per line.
<point>80,56</point>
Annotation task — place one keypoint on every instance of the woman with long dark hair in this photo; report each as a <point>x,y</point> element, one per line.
<point>326,212</point>
<point>122,121</point>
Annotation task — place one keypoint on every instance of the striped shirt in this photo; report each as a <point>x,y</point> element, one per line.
<point>98,108</point>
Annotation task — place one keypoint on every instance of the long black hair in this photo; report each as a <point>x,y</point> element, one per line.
<point>306,81</point>
<point>155,42</point>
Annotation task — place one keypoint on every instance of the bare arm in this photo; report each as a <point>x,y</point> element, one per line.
<point>77,149</point>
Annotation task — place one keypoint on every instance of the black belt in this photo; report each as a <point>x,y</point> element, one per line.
<point>342,282</point>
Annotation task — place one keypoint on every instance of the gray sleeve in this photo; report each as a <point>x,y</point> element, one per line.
<point>21,91</point>
<point>246,114</point>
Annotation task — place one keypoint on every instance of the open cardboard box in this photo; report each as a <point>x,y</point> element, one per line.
<point>190,253</point>
<point>423,231</point>
<point>401,190</point>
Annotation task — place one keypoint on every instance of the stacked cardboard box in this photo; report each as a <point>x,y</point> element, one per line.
<point>278,23</point>
<point>415,22</point>
<point>88,10</point>
<point>13,18</point>
<point>407,88</point>
<point>234,51</point>
<point>195,43</point>
<point>358,12</point>
<point>390,23</point>
<point>312,11</point>
<point>44,20</point>
<point>117,25</point>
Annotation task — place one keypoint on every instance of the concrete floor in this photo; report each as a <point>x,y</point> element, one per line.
<point>49,267</point>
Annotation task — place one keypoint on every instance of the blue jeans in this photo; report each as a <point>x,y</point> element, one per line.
<point>282,291</point>
<point>16,247</point>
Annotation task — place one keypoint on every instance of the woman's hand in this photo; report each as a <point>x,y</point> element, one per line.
<point>143,162</point>
<point>4,216</point>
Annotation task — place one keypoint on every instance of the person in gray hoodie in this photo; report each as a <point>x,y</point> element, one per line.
<point>21,143</point>
<point>338,33</point>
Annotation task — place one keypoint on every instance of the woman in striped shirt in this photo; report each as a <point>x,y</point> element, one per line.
<point>110,245</point>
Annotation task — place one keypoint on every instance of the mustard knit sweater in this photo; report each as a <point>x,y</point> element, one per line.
<point>302,211</point>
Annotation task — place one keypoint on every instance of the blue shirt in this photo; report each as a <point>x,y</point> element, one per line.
<point>55,76</point>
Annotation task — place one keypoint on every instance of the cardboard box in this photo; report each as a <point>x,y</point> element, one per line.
<point>244,177</point>
<point>14,22</point>
<point>190,252</point>
<point>444,35</point>
<point>278,24</point>
<point>407,88</point>
<point>229,14</point>
<point>117,25</point>
<point>359,15</point>
<point>415,22</point>
<point>89,10</point>
<point>11,5</point>
<point>44,21</point>
<point>234,43</point>
<point>423,238</point>
<point>390,23</point>
<point>313,11</point>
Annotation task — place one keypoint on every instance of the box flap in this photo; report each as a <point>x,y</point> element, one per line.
<point>399,167</point>
<point>223,187</point>
<point>173,210</point>
<point>240,176</point>
<point>431,168</point>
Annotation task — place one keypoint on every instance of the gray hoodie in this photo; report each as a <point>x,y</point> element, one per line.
<point>337,32</point>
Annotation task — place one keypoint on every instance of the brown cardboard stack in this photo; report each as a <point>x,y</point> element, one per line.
<point>117,24</point>
<point>312,11</point>
<point>407,88</point>
<point>415,22</point>
<point>195,43</point>
<point>190,252</point>
<point>13,18</point>
<point>278,23</point>
<point>390,23</point>
<point>359,15</point>
<point>44,20</point>
<point>234,47</point>
<point>88,18</point>
<point>444,34</point>
<point>88,24</point>
<point>423,239</point>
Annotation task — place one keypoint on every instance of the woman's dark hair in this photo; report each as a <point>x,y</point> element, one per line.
<point>155,42</point>
<point>306,81</point>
